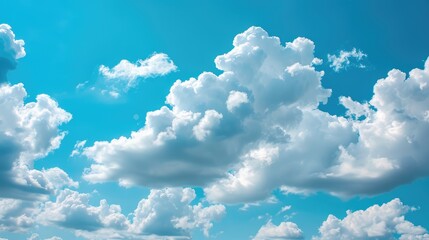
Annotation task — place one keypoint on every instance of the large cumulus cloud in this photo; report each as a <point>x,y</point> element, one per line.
<point>257,127</point>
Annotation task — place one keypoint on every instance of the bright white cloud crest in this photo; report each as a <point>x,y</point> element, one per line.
<point>345,59</point>
<point>125,75</point>
<point>257,127</point>
<point>377,222</point>
<point>284,231</point>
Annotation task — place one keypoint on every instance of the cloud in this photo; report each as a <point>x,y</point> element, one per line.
<point>118,80</point>
<point>72,210</point>
<point>285,230</point>
<point>17,215</point>
<point>78,147</point>
<point>166,213</point>
<point>257,127</point>
<point>377,222</point>
<point>346,59</point>
<point>29,131</point>
<point>199,136</point>
<point>10,50</point>
<point>35,236</point>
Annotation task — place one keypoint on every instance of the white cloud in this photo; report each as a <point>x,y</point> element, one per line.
<point>10,50</point>
<point>377,222</point>
<point>17,215</point>
<point>192,136</point>
<point>346,59</point>
<point>166,213</point>
<point>72,210</point>
<point>279,138</point>
<point>285,230</point>
<point>78,147</point>
<point>235,99</point>
<point>119,79</point>
<point>29,131</point>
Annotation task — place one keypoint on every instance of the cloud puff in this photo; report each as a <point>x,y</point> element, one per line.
<point>257,127</point>
<point>377,222</point>
<point>346,59</point>
<point>166,213</point>
<point>118,80</point>
<point>10,50</point>
<point>72,210</point>
<point>17,215</point>
<point>285,230</point>
<point>29,131</point>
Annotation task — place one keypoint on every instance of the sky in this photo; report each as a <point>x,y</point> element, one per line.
<point>280,119</point>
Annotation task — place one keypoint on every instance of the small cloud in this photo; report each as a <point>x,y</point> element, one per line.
<point>284,209</point>
<point>116,81</point>
<point>10,50</point>
<point>346,59</point>
<point>285,230</point>
<point>77,150</point>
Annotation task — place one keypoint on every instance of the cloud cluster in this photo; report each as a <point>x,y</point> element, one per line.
<point>29,131</point>
<point>17,215</point>
<point>346,59</point>
<point>166,213</point>
<point>284,231</point>
<point>257,127</point>
<point>10,50</point>
<point>377,222</point>
<point>119,79</point>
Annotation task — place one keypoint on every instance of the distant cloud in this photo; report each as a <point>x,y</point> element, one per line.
<point>10,50</point>
<point>284,231</point>
<point>377,222</point>
<point>78,147</point>
<point>119,79</point>
<point>346,59</point>
<point>166,213</point>
<point>240,133</point>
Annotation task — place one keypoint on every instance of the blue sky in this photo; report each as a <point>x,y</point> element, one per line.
<point>249,144</point>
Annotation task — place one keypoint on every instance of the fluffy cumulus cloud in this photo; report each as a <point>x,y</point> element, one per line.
<point>11,49</point>
<point>119,79</point>
<point>257,127</point>
<point>346,59</point>
<point>29,131</point>
<point>285,230</point>
<point>377,222</point>
<point>17,215</point>
<point>166,213</point>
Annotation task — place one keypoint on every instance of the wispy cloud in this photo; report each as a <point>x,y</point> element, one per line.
<point>345,59</point>
<point>116,81</point>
